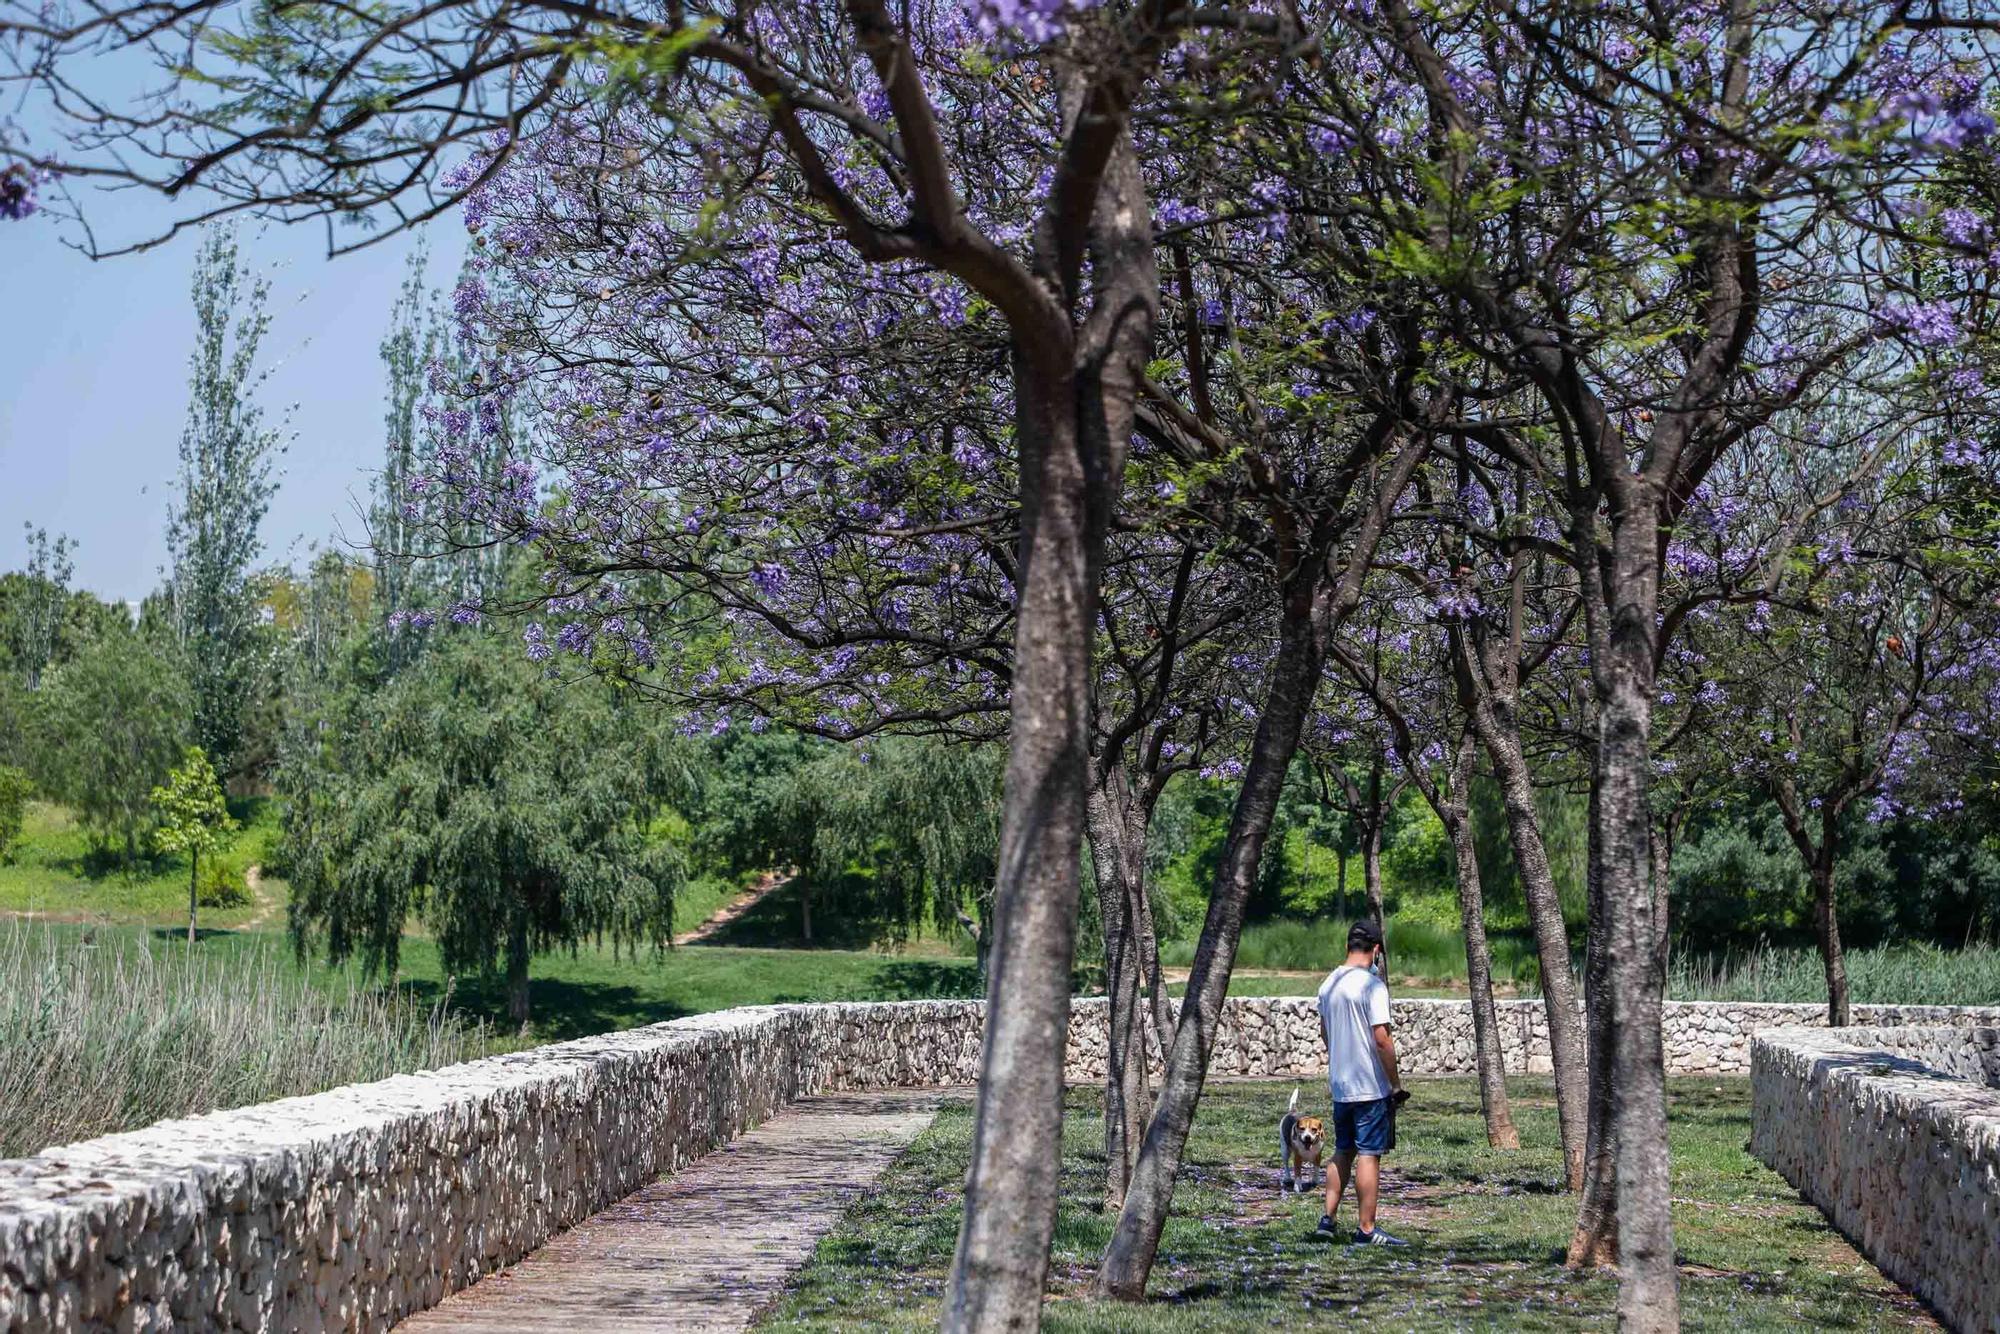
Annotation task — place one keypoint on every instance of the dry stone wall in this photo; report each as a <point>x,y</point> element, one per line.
<point>1895,1134</point>
<point>351,1208</point>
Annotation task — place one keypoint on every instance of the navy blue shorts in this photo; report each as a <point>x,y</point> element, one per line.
<point>1366,1128</point>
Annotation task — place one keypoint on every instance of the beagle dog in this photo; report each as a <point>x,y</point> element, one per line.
<point>1302,1139</point>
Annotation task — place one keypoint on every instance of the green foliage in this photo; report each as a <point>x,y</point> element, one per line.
<point>901,832</point>
<point>1564,818</point>
<point>32,604</point>
<point>1738,877</point>
<point>15,789</point>
<point>504,811</point>
<point>192,814</point>
<point>225,486</point>
<point>108,726</point>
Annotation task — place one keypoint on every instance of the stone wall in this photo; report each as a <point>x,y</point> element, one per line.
<point>1277,1036</point>
<point>1895,1134</point>
<point>351,1208</point>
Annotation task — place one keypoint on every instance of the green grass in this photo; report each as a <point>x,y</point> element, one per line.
<point>595,990</point>
<point>1488,1229</point>
<point>57,873</point>
<point>1416,949</point>
<point>703,896</point>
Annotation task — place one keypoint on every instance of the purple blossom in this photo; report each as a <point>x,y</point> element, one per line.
<point>18,184</point>
<point>1963,452</point>
<point>1961,226</point>
<point>1930,323</point>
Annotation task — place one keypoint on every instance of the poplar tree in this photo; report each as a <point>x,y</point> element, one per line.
<point>227,453</point>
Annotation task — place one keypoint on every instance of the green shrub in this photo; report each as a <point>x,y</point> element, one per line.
<point>14,792</point>
<point>222,882</point>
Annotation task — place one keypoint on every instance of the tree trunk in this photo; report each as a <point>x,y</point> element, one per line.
<point>806,908</point>
<point>1595,1240</point>
<point>1491,1062</point>
<point>1648,1291</point>
<point>1371,877</point>
<point>1826,918</point>
<point>1128,1259</point>
<point>517,973</point>
<point>1012,1187</point>
<point>1566,1023</point>
<point>1074,407</point>
<point>194,893</point>
<point>1110,819</point>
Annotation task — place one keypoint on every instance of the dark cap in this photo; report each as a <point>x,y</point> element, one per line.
<point>1364,935</point>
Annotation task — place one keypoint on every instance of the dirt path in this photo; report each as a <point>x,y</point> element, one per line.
<point>709,1247</point>
<point>769,883</point>
<point>267,904</point>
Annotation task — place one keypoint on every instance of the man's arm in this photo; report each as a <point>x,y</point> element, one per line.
<point>1385,1047</point>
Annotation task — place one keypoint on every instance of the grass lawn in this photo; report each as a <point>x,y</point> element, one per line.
<point>56,874</point>
<point>594,990</point>
<point>1487,1227</point>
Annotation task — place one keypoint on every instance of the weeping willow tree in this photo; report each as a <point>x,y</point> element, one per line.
<point>504,811</point>
<point>908,827</point>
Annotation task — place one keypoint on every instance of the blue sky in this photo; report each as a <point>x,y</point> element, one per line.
<point>93,361</point>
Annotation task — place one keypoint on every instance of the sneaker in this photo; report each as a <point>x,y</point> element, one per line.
<point>1325,1230</point>
<point>1376,1238</point>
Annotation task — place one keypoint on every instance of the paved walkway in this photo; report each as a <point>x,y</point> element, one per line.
<point>709,1247</point>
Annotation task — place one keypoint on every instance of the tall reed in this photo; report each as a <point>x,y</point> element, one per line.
<point>101,1032</point>
<point>1919,974</point>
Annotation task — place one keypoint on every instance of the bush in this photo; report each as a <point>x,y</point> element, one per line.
<point>14,792</point>
<point>106,1033</point>
<point>222,882</point>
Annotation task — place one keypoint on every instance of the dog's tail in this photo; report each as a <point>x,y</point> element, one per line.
<point>1293,1105</point>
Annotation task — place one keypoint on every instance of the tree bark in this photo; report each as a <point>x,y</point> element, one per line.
<point>1075,405</point>
<point>1819,862</point>
<point>1826,919</point>
<point>1014,1181</point>
<point>1371,876</point>
<point>517,973</point>
<point>1128,1259</point>
<point>1491,1062</point>
<point>1648,1289</point>
<point>1120,868</point>
<point>1493,718</point>
<point>1551,935</point>
<point>1595,1240</point>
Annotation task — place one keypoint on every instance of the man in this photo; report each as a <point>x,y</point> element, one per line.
<point>1361,1072</point>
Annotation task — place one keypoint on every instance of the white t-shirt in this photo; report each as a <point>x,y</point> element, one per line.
<point>1352,1001</point>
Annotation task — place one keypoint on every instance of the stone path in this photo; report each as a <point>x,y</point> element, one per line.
<point>709,1247</point>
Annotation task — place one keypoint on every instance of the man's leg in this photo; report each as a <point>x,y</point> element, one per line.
<point>1336,1182</point>
<point>1367,1188</point>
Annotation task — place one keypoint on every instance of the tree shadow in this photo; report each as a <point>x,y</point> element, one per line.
<point>559,1010</point>
<point>178,934</point>
<point>847,914</point>
<point>905,979</point>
